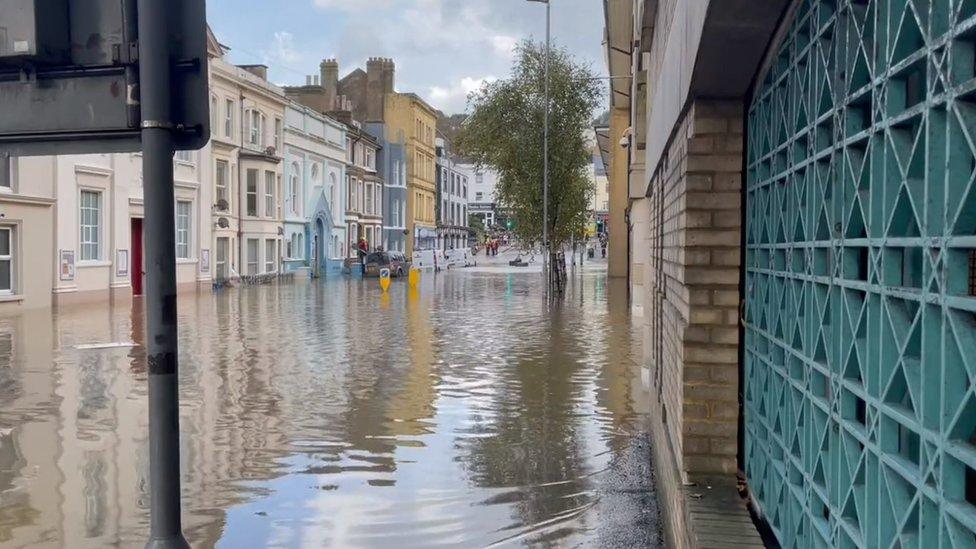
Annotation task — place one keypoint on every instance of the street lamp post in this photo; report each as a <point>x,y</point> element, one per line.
<point>546,268</point>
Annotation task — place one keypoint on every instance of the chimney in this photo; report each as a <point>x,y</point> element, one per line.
<point>308,80</point>
<point>317,81</point>
<point>389,76</point>
<point>261,71</point>
<point>329,72</point>
<point>375,88</point>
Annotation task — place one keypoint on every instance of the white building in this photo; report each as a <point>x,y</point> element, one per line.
<point>98,243</point>
<point>482,186</point>
<point>247,119</point>
<point>315,169</point>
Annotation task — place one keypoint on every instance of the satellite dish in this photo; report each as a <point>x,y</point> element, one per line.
<point>223,223</point>
<point>222,205</point>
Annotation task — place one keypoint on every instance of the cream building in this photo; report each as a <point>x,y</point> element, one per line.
<point>245,155</point>
<point>26,238</point>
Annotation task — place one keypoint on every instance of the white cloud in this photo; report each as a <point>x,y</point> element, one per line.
<point>454,99</point>
<point>282,50</point>
<point>504,46</point>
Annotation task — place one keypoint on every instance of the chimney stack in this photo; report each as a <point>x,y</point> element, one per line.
<point>329,72</point>
<point>261,71</point>
<point>375,88</point>
<point>389,75</point>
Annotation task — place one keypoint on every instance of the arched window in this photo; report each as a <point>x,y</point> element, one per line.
<point>293,188</point>
<point>315,174</point>
<point>301,245</point>
<point>332,196</point>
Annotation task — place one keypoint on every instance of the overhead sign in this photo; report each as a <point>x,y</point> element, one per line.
<point>69,76</point>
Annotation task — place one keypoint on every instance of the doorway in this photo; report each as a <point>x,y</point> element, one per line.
<point>136,272</point>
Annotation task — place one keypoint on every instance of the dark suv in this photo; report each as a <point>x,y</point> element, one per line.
<point>396,262</point>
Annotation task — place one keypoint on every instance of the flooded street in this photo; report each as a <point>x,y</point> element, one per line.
<point>320,414</point>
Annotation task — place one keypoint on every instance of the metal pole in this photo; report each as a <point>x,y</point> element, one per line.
<point>546,268</point>
<point>161,336</point>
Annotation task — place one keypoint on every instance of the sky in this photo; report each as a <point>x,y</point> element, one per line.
<point>443,49</point>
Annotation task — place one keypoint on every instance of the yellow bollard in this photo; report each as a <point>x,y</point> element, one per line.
<point>385,279</point>
<point>414,277</point>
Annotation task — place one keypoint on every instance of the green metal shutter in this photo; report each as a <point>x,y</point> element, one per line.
<point>861,226</point>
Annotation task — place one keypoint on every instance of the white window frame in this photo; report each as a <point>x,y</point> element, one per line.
<point>229,105</point>
<point>249,193</point>
<point>253,255</point>
<point>270,251</point>
<point>11,258</point>
<point>269,193</point>
<point>95,229</point>
<point>184,234</point>
<point>222,187</point>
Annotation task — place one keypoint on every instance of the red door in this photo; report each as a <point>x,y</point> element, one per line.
<point>135,267</point>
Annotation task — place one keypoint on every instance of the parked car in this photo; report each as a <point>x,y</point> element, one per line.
<point>396,262</point>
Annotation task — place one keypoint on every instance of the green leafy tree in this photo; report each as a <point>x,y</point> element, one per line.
<point>505,133</point>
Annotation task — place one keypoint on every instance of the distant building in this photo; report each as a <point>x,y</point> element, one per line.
<point>482,186</point>
<point>364,203</point>
<point>452,201</point>
<point>404,126</point>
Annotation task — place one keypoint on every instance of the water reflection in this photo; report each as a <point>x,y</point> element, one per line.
<point>318,414</point>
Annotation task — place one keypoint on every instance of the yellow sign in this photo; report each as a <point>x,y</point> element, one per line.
<point>385,279</point>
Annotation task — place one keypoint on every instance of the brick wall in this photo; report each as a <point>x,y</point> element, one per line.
<point>692,287</point>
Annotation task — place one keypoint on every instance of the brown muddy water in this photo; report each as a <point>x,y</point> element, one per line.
<point>320,414</point>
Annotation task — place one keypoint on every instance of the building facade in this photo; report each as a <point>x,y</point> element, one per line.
<point>314,192</point>
<point>409,115</point>
<point>452,201</point>
<point>392,167</point>
<point>482,185</point>
<point>246,149</point>
<point>364,186</point>
<point>27,228</point>
<point>800,258</point>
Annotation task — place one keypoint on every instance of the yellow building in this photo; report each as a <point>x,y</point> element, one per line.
<point>409,116</point>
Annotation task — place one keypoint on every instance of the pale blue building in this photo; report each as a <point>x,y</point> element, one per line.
<point>314,230</point>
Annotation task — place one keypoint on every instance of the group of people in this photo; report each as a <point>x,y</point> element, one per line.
<point>491,246</point>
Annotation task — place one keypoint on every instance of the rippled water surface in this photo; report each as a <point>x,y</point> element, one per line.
<point>322,414</point>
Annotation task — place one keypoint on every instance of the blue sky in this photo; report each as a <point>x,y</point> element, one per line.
<point>443,48</point>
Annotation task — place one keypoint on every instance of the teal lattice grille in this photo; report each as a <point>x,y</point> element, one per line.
<point>861,226</point>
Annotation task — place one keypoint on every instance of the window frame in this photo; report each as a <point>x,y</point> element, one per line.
<point>269,193</point>
<point>11,258</point>
<point>98,229</point>
<point>251,194</point>
<point>185,231</point>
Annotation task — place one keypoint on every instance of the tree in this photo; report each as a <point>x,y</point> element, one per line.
<point>505,133</point>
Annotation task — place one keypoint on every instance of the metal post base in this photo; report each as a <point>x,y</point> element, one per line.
<point>178,542</point>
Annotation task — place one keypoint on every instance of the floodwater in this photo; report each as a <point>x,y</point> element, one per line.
<point>319,413</point>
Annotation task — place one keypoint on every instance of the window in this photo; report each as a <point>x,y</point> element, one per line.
<point>252,193</point>
<point>184,156</point>
<point>269,194</point>
<point>396,173</point>
<point>293,190</point>
<point>220,181</point>
<point>270,247</point>
<point>395,213</point>
<point>6,260</point>
<point>369,199</point>
<point>253,119</point>
<point>252,256</point>
<point>371,159</point>
<point>351,202</point>
<point>333,246</point>
<point>229,118</point>
<point>332,196</point>
<point>289,246</point>
<point>277,134</point>
<point>349,150</point>
<point>479,196</point>
<point>91,225</point>
<point>183,229</point>
<point>360,195</point>
<point>214,113</point>
<point>479,178</point>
